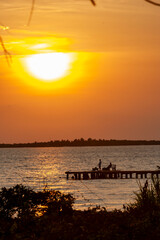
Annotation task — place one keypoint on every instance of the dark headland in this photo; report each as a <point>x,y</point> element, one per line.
<point>82,143</point>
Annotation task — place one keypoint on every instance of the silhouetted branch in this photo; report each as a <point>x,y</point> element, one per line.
<point>32,9</point>
<point>149,1</point>
<point>7,54</point>
<point>152,2</point>
<point>31,12</point>
<point>93,2</point>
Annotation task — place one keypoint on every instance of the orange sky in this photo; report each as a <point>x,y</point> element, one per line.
<point>111,89</point>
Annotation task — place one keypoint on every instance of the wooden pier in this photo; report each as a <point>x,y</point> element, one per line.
<point>117,174</point>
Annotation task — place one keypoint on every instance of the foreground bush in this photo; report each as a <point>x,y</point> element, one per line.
<point>148,197</point>
<point>21,202</point>
<point>48,215</point>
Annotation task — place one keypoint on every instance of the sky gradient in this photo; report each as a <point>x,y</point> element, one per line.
<point>111,90</point>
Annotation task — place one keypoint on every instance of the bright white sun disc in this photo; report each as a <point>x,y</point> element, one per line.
<point>48,66</point>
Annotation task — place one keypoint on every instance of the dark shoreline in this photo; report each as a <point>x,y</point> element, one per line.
<point>82,143</point>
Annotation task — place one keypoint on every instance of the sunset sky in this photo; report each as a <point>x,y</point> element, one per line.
<point>103,64</point>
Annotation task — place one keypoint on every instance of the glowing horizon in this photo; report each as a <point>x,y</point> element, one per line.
<point>108,87</point>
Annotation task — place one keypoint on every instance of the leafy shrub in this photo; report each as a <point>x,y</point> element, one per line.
<point>148,197</point>
<point>26,214</point>
<point>22,202</point>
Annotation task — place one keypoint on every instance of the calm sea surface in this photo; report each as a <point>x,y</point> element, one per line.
<point>36,167</point>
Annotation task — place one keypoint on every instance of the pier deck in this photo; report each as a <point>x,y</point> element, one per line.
<point>117,174</point>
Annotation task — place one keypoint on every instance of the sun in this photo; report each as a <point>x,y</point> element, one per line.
<point>48,67</point>
<point>42,72</point>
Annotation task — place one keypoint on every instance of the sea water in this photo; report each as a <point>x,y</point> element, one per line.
<point>45,167</point>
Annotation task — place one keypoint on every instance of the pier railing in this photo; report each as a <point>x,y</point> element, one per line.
<point>117,174</point>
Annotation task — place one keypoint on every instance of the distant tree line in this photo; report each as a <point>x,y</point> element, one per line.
<point>82,143</point>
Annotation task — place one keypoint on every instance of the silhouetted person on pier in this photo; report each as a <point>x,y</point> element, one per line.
<point>99,164</point>
<point>109,166</point>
